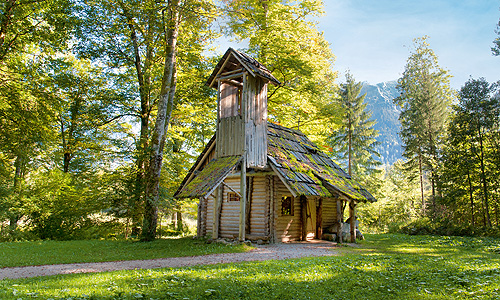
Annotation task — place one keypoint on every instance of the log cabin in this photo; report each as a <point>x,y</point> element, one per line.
<point>256,180</point>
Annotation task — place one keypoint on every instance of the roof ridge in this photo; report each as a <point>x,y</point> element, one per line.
<point>297,131</point>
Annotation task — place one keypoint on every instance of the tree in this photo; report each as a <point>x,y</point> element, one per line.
<point>146,66</point>
<point>355,140</point>
<point>496,43</point>
<point>424,102</point>
<point>283,36</point>
<point>87,112</point>
<point>473,135</point>
<point>24,22</point>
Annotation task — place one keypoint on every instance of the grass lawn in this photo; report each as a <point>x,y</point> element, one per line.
<point>54,252</point>
<point>383,267</point>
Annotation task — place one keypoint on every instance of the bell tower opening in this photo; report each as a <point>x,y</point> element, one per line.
<point>242,83</point>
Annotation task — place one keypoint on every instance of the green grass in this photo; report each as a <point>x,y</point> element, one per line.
<point>382,267</point>
<point>15,254</point>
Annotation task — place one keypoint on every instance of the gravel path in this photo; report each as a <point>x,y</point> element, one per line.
<point>260,253</point>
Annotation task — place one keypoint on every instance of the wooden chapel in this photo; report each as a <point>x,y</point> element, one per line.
<point>256,180</point>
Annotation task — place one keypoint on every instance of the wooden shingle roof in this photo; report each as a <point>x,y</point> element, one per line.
<point>233,60</point>
<point>209,178</point>
<point>306,170</point>
<point>299,163</point>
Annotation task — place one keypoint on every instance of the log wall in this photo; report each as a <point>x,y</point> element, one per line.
<point>329,212</point>
<point>230,213</point>
<point>288,228</point>
<point>259,211</point>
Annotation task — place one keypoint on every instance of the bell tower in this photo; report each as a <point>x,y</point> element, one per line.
<point>241,82</point>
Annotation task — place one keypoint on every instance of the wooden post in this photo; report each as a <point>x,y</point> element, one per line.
<point>248,206</point>
<point>198,221</point>
<point>303,217</point>
<point>217,138</point>
<point>319,219</point>
<point>339,221</point>
<point>274,215</point>
<point>243,200</point>
<point>352,217</point>
<point>217,210</point>
<point>268,213</point>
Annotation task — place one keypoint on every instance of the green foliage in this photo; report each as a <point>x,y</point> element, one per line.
<point>471,158</point>
<point>43,23</point>
<point>397,201</point>
<point>496,43</point>
<point>63,252</point>
<point>284,37</point>
<point>384,267</point>
<point>355,141</point>
<point>425,226</point>
<point>424,102</point>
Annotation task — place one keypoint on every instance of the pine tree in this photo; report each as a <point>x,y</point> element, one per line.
<point>355,140</point>
<point>424,102</point>
<point>496,43</point>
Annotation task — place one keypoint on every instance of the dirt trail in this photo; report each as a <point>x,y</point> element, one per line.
<point>260,253</point>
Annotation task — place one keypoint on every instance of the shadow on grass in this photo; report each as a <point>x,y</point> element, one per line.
<point>385,267</point>
<point>344,277</point>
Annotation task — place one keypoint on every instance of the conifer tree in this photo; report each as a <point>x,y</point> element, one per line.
<point>496,43</point>
<point>424,101</point>
<point>355,140</point>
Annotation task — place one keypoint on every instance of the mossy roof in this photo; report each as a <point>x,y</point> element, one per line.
<point>306,170</point>
<point>208,179</point>
<point>303,167</point>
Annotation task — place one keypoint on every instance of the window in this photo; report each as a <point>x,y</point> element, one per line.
<point>287,206</point>
<point>233,197</point>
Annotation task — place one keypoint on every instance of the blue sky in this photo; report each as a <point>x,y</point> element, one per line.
<point>371,37</point>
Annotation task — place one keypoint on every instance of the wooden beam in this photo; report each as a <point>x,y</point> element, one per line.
<point>319,219</point>
<point>222,78</point>
<point>283,180</point>
<point>243,200</point>
<point>273,213</point>
<point>339,220</point>
<point>198,222</point>
<point>217,210</point>
<point>250,174</point>
<point>248,204</point>
<point>303,217</point>
<point>217,135</point>
<point>232,190</point>
<point>232,72</point>
<point>352,217</point>
<point>233,83</point>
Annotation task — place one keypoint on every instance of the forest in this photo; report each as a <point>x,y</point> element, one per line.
<point>104,108</point>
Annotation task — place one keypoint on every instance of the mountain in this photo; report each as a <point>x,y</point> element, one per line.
<point>379,101</point>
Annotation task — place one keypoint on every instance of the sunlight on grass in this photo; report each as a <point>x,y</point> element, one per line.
<point>61,252</point>
<point>384,267</point>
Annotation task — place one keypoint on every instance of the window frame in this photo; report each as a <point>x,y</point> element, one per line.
<point>231,196</point>
<point>287,200</point>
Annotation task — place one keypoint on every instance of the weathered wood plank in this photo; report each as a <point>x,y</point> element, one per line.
<point>339,221</point>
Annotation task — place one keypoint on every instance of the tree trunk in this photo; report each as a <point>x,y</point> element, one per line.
<point>471,198</point>
<point>165,106</point>
<point>484,183</point>
<point>18,177</point>
<point>349,133</point>
<point>421,175</point>
<point>144,81</point>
